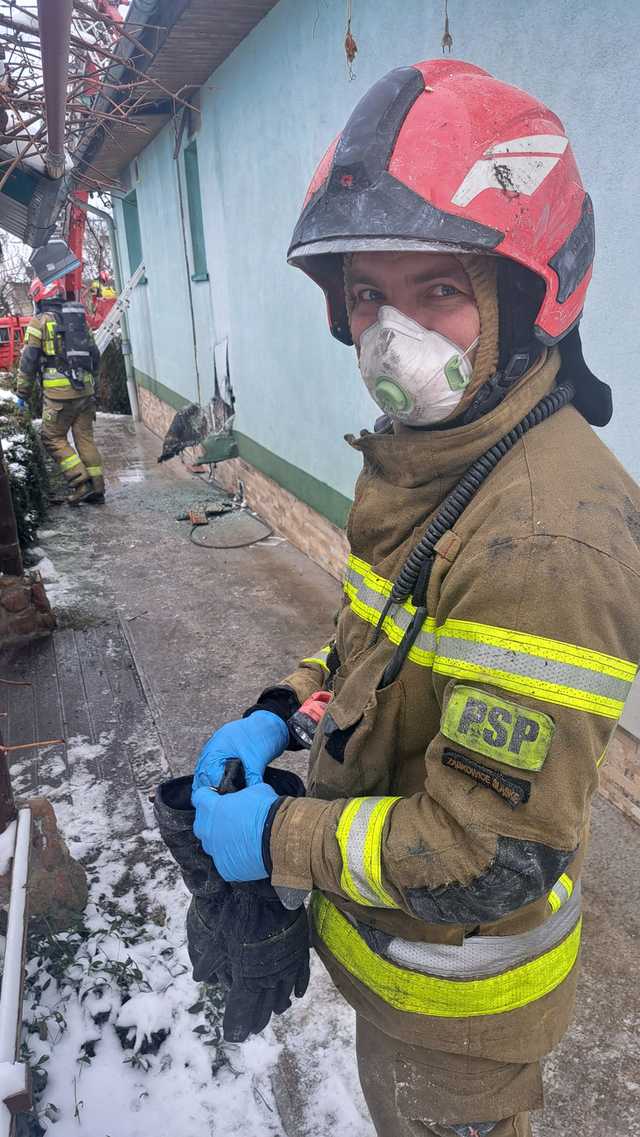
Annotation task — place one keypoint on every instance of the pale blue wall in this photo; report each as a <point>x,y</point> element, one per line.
<point>268,114</point>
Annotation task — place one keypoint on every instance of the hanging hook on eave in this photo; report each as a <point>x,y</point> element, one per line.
<point>447,38</point>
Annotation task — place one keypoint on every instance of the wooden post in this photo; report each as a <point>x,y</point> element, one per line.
<point>10,555</point>
<point>8,811</point>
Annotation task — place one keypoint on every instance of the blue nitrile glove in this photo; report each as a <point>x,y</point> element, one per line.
<point>256,740</point>
<point>22,405</point>
<point>230,828</point>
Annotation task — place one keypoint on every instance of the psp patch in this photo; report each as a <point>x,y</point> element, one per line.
<point>498,728</point>
<point>515,791</point>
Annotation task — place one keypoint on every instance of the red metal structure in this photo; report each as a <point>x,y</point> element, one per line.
<point>11,339</point>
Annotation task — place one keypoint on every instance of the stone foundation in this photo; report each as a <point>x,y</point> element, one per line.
<point>620,774</point>
<point>308,530</point>
<point>155,413</point>
<point>25,613</point>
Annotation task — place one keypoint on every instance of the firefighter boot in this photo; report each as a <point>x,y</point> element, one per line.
<point>205,942</point>
<point>96,497</point>
<point>82,491</point>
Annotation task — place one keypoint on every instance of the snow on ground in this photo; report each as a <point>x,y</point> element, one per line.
<point>60,587</point>
<point>67,590</point>
<point>121,1040</point>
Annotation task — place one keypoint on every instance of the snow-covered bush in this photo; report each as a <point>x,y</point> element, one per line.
<point>27,472</point>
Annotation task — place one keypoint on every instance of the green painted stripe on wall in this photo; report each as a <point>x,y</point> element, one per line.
<point>160,391</point>
<point>321,497</point>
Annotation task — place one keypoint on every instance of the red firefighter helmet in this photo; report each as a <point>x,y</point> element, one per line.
<point>39,291</point>
<point>441,156</point>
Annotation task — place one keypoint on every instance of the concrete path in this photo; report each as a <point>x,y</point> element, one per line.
<point>160,641</point>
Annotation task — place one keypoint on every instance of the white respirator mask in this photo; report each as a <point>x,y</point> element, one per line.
<point>415,375</point>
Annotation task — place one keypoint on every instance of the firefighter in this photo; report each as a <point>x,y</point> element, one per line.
<point>101,287</point>
<point>488,634</point>
<point>60,350</point>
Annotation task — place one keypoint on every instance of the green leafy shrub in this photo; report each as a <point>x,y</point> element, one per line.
<point>112,380</point>
<point>25,462</point>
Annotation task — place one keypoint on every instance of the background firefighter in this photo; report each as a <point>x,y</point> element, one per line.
<point>60,350</point>
<point>487,638</point>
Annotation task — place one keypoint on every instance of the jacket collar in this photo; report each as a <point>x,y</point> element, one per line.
<point>411,458</point>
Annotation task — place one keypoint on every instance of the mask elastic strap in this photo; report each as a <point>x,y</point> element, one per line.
<point>470,348</point>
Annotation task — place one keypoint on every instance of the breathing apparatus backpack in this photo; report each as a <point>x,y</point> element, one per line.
<point>67,339</point>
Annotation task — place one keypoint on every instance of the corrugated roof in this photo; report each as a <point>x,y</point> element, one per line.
<point>203,34</point>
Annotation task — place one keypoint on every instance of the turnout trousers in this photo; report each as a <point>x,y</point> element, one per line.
<point>414,1092</point>
<point>59,416</point>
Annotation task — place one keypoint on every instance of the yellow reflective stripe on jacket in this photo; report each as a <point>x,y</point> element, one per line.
<point>560,893</point>
<point>368,594</point>
<point>94,471</point>
<point>32,333</point>
<point>422,994</point>
<point>55,381</point>
<point>320,658</point>
<point>49,341</point>
<point>70,462</point>
<point>535,666</point>
<point>359,835</point>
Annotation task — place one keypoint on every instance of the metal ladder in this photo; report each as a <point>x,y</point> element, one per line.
<point>109,326</point>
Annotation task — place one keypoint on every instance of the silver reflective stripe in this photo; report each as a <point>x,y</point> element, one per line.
<point>561,890</point>
<point>529,666</point>
<point>355,849</point>
<point>482,956</point>
<point>398,615</point>
<point>320,657</point>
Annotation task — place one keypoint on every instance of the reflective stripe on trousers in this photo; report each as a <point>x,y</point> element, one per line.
<point>450,981</point>
<point>69,462</point>
<point>534,666</point>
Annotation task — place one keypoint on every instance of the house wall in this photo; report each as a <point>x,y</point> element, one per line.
<point>268,114</point>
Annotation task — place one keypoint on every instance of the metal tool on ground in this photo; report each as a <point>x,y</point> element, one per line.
<point>235,524</point>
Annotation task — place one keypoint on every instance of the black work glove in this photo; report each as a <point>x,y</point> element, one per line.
<point>268,945</point>
<point>205,940</point>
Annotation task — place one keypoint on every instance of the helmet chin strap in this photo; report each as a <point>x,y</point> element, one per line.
<point>498,385</point>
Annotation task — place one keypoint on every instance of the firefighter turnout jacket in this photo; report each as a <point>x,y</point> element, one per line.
<point>448,815</point>
<point>45,355</point>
